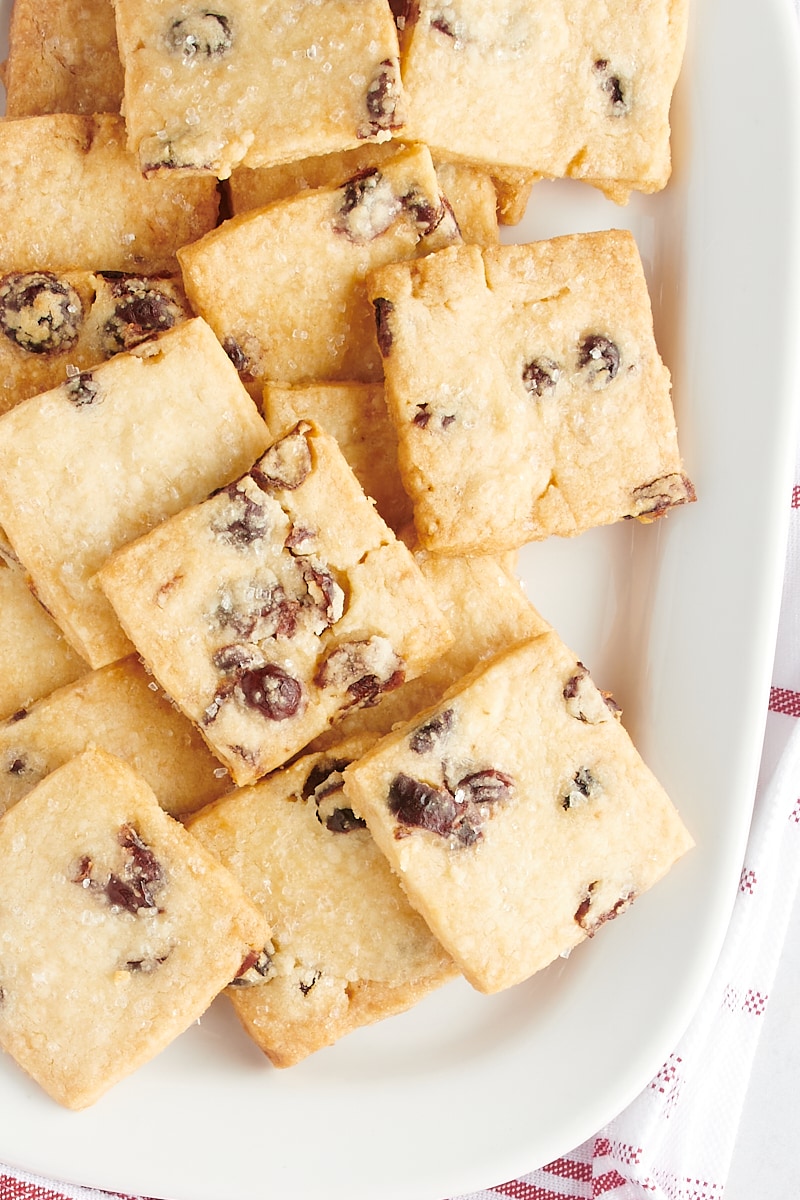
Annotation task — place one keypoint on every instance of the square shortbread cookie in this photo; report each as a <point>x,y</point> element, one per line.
<point>347,948</point>
<point>96,462</point>
<point>62,58</point>
<point>259,84</point>
<point>276,606</point>
<point>517,814</point>
<point>314,251</point>
<point>117,928</point>
<point>560,88</point>
<point>36,657</point>
<point>527,391</point>
<point>72,199</point>
<point>121,710</point>
<point>56,325</point>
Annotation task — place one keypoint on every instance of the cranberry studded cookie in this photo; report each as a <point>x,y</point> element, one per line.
<point>72,198</point>
<point>118,929</point>
<point>517,813</point>
<point>121,710</point>
<point>348,949</point>
<point>560,88</point>
<point>97,461</point>
<point>277,606</point>
<point>527,391</point>
<point>56,324</point>
<point>256,83</point>
<point>62,58</point>
<point>313,251</point>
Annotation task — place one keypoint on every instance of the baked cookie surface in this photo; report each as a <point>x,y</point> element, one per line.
<point>517,813</point>
<point>97,461</point>
<point>118,928</point>
<point>276,606</point>
<point>256,83</point>
<point>527,391</point>
<point>347,948</point>
<point>313,250</point>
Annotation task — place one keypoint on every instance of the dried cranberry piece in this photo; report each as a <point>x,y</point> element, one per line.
<point>287,463</point>
<point>39,312</point>
<point>422,805</point>
<point>82,389</point>
<point>590,923</point>
<point>652,500</point>
<point>382,100</point>
<point>142,309</point>
<point>256,968</point>
<point>584,786</point>
<point>368,208</point>
<point>613,88</point>
<point>344,820</point>
<point>201,34</point>
<point>485,787</point>
<point>307,984</point>
<point>245,522</point>
<point>236,354</point>
<point>320,773</point>
<point>426,736</point>
<point>540,376</point>
<point>599,359</point>
<point>142,876</point>
<point>383,310</point>
<point>271,691</point>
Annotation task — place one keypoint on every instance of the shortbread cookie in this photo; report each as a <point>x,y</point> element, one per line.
<point>62,58</point>
<point>556,89</point>
<point>469,191</point>
<point>313,251</point>
<point>277,606</point>
<point>527,391</point>
<point>355,414</point>
<point>487,611</point>
<point>517,813</point>
<point>206,89</point>
<point>35,656</point>
<point>119,709</point>
<point>118,928</point>
<point>96,462</point>
<point>57,325</point>
<point>72,198</point>
<point>348,949</point>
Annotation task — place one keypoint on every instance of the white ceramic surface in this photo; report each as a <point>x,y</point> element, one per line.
<point>678,619</point>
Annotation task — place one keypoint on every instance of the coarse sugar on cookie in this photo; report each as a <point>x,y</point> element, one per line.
<point>560,88</point>
<point>258,84</point>
<point>62,58</point>
<point>56,324</point>
<point>517,813</point>
<point>100,459</point>
<point>73,199</point>
<point>348,949</point>
<point>120,709</point>
<point>276,606</point>
<point>313,251</point>
<point>117,927</point>
<point>527,391</point>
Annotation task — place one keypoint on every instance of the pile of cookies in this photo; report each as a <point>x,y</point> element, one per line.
<point>278,412</point>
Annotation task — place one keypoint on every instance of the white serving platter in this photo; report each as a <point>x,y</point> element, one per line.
<point>678,619</point>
